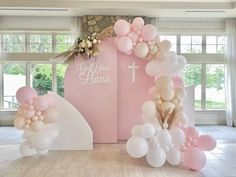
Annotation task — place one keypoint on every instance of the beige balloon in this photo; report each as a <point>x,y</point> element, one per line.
<point>50,115</point>
<point>37,126</point>
<point>19,123</point>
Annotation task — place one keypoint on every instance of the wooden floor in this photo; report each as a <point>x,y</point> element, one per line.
<point>108,160</point>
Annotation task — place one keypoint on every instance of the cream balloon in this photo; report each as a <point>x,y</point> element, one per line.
<point>141,50</point>
<point>51,115</point>
<point>180,92</point>
<point>164,82</point>
<point>137,146</point>
<point>167,94</point>
<point>167,107</point>
<point>19,123</point>
<point>37,125</point>
<point>165,45</point>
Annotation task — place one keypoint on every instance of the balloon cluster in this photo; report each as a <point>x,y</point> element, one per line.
<point>36,117</point>
<point>194,146</point>
<point>164,136</point>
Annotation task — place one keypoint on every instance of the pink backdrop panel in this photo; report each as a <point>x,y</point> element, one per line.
<point>91,86</point>
<point>132,92</point>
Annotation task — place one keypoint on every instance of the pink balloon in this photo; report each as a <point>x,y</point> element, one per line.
<point>149,32</point>
<point>122,27</point>
<point>124,44</point>
<point>25,94</point>
<point>138,21</point>
<point>191,132</point>
<point>178,82</point>
<point>194,158</point>
<point>116,40</point>
<point>129,52</point>
<point>40,103</point>
<point>152,91</point>
<point>206,143</point>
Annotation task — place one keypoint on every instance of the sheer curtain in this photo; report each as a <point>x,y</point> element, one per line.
<point>76,27</point>
<point>230,61</point>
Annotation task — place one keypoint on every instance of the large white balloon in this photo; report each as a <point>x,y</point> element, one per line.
<point>147,130</point>
<point>41,141</point>
<point>164,138</point>
<point>135,131</point>
<point>178,136</point>
<point>173,156</point>
<point>156,157</point>
<point>153,68</point>
<point>141,50</point>
<point>26,150</point>
<point>149,109</point>
<point>137,146</point>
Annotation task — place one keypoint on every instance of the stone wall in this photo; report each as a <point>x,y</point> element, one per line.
<point>93,23</point>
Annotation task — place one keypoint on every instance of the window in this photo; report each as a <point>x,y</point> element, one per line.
<point>209,85</point>
<point>215,92</point>
<point>61,69</point>
<point>172,39</point>
<point>41,78</point>
<point>191,44</point>
<point>13,43</point>
<point>193,76</point>
<point>63,42</point>
<point>13,78</point>
<point>40,43</point>
<point>216,44</point>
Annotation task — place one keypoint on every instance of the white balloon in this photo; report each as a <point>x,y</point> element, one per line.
<point>141,50</point>
<point>26,150</point>
<point>164,138</point>
<point>37,125</point>
<point>137,146</point>
<point>149,109</point>
<point>164,82</point>
<point>41,141</point>
<point>169,64</point>
<point>178,136</point>
<point>180,92</point>
<point>19,123</point>
<point>173,156</point>
<point>156,124</point>
<point>156,157</point>
<point>167,94</point>
<point>153,143</point>
<point>153,68</point>
<point>135,131</point>
<point>181,62</point>
<point>147,130</point>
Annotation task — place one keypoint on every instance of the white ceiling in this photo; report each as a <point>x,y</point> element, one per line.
<point>155,8</point>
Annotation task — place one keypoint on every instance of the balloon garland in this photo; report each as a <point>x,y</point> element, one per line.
<point>164,136</point>
<point>36,116</point>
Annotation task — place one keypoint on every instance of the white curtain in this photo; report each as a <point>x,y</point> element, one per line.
<point>230,61</point>
<point>76,27</point>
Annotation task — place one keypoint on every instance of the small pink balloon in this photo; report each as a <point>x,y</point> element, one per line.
<point>194,158</point>
<point>178,82</point>
<point>124,44</point>
<point>122,27</point>
<point>135,38</point>
<point>138,21</point>
<point>206,142</point>
<point>191,132</point>
<point>149,32</point>
<point>40,103</point>
<point>25,94</point>
<point>152,91</point>
<point>30,107</point>
<point>29,114</point>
